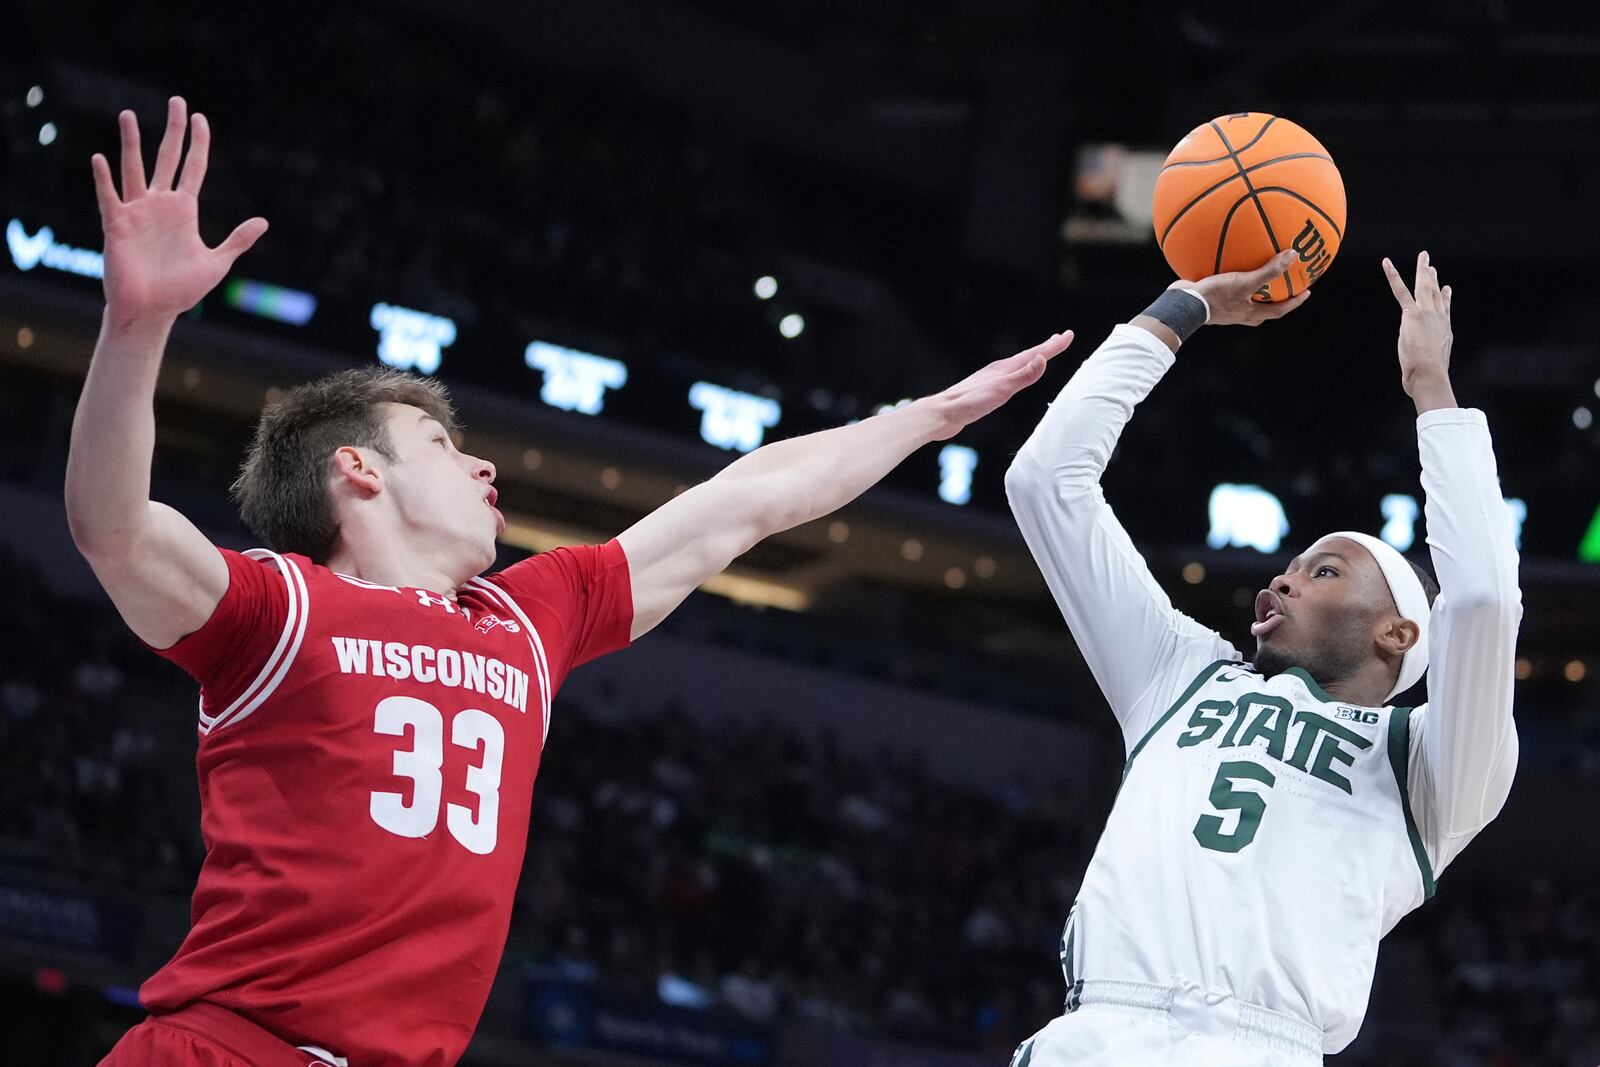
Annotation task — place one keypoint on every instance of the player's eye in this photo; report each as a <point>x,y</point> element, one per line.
<point>1325,569</point>
<point>442,441</point>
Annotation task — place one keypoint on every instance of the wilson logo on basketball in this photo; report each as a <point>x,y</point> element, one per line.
<point>1312,249</point>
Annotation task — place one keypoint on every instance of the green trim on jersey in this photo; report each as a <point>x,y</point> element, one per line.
<point>1311,684</point>
<point>1194,687</point>
<point>1400,763</point>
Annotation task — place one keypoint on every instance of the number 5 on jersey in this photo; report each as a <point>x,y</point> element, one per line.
<point>1224,797</point>
<point>422,764</point>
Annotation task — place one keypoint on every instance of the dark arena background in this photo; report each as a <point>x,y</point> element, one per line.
<point>834,812</point>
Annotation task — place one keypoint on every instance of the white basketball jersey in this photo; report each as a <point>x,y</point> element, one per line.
<point>1261,843</point>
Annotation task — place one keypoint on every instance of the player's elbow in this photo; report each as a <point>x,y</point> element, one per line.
<point>1032,486</point>
<point>1026,481</point>
<point>94,536</point>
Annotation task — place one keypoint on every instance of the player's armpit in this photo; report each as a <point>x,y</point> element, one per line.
<point>165,580</point>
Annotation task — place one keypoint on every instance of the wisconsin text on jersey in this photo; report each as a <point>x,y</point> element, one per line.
<point>446,666</point>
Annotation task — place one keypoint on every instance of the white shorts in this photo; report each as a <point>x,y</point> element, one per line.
<point>1120,1031</point>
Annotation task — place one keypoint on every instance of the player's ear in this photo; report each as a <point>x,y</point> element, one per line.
<point>1398,636</point>
<point>353,468</point>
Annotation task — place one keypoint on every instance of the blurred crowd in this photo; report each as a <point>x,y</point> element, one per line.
<point>738,865</point>
<point>429,165</point>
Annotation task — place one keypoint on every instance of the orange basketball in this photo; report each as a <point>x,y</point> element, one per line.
<point>1242,188</point>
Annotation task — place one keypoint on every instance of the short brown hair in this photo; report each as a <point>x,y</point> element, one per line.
<point>282,488</point>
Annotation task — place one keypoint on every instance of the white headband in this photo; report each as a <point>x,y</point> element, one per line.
<point>1409,597</point>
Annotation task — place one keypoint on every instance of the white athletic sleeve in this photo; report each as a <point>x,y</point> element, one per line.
<point>1463,740</point>
<point>1142,650</point>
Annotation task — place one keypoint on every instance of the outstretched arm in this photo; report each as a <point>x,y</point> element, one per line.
<point>163,576</point>
<point>1464,741</point>
<point>782,485</point>
<point>1140,648</point>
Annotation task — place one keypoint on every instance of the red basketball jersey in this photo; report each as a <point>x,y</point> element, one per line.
<point>366,760</point>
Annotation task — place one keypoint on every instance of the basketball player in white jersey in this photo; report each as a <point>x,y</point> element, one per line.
<point>1278,816</point>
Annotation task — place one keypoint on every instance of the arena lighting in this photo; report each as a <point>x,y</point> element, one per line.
<point>1519,515</point>
<point>574,380</point>
<point>121,995</point>
<point>739,588</point>
<point>1246,516</point>
<point>40,249</point>
<point>766,287</point>
<point>1399,520</point>
<point>47,133</point>
<point>791,325</point>
<point>409,339</point>
<point>270,301</point>
<point>1582,417</point>
<point>1589,548</point>
<point>731,419</point>
<point>35,96</point>
<point>956,464</point>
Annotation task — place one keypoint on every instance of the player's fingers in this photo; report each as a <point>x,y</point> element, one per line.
<point>1434,289</point>
<point>132,159</point>
<point>1271,268</point>
<point>194,164</point>
<point>1445,292</point>
<point>1056,345</point>
<point>1027,374</point>
<point>1397,286</point>
<point>1048,347</point>
<point>105,190</point>
<point>171,150</point>
<point>1280,308</point>
<point>243,236</point>
<point>1424,284</point>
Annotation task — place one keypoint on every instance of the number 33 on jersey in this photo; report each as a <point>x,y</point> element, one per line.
<point>367,757</point>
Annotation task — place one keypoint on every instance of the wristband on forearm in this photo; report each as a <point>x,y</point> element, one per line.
<point>1183,311</point>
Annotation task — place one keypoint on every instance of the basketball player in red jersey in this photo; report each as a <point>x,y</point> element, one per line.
<point>372,709</point>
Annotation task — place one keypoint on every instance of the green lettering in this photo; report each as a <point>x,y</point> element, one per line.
<point>1205,722</point>
<point>1230,738</point>
<point>1330,751</point>
<point>1312,725</point>
<point>1271,721</point>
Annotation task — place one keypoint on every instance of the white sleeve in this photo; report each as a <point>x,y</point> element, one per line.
<point>1141,649</point>
<point>1464,741</point>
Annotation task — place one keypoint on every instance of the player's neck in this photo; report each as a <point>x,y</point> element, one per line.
<point>1367,687</point>
<point>390,562</point>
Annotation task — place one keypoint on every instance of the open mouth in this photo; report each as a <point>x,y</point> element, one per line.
<point>499,519</point>
<point>1269,615</point>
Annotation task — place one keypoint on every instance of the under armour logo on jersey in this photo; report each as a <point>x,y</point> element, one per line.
<point>427,599</point>
<point>489,622</point>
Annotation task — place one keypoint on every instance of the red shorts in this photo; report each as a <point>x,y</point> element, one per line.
<point>204,1035</point>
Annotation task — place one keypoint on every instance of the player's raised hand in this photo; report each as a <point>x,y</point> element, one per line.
<point>979,393</point>
<point>156,264</point>
<point>1231,296</point>
<point>1425,336</point>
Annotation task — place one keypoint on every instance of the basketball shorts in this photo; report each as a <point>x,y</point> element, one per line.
<point>203,1035</point>
<point>1129,1024</point>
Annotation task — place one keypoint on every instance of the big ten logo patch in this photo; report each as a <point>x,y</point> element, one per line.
<point>1360,715</point>
<point>1312,249</point>
<point>489,622</point>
